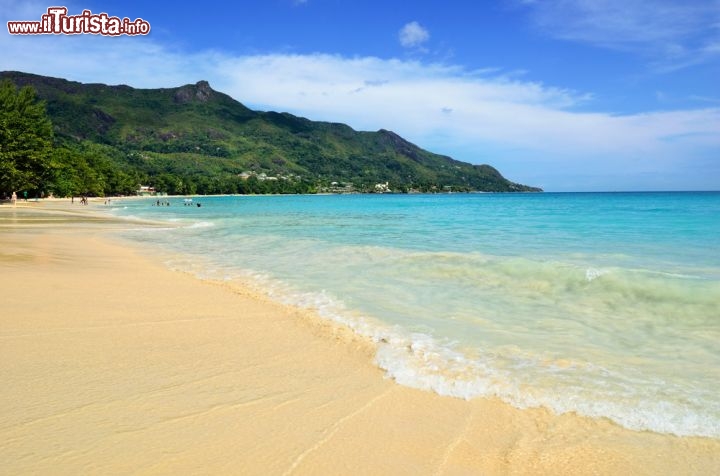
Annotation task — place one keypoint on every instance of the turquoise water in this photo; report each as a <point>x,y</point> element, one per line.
<point>607,305</point>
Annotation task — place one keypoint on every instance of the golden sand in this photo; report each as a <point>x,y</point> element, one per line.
<point>111,363</point>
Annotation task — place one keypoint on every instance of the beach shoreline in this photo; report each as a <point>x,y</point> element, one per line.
<point>113,363</point>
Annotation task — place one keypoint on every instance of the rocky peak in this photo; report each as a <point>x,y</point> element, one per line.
<point>200,92</point>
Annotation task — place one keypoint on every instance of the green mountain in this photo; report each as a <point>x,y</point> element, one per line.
<point>193,139</point>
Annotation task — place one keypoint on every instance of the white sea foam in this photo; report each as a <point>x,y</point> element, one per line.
<point>421,361</point>
<point>592,274</point>
<point>131,217</point>
<point>200,224</point>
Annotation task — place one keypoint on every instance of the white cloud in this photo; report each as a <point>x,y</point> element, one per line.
<point>615,22</point>
<point>712,48</point>
<point>672,34</point>
<point>531,131</point>
<point>413,35</point>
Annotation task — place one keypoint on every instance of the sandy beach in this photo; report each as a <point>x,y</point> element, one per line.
<point>112,363</point>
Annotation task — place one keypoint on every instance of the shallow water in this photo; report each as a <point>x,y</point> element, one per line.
<point>603,304</point>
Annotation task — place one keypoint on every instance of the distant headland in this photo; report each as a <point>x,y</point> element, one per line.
<point>109,140</point>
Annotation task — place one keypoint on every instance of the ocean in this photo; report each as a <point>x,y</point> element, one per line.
<point>603,304</point>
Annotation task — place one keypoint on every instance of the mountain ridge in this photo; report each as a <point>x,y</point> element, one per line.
<point>200,137</point>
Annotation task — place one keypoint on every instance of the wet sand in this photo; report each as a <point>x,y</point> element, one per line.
<point>113,364</point>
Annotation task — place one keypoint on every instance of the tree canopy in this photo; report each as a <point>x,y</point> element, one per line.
<point>33,160</point>
<point>26,139</point>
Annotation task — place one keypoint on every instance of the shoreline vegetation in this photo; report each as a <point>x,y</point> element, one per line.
<point>112,363</point>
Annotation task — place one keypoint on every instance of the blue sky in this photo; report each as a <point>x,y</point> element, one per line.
<point>566,95</point>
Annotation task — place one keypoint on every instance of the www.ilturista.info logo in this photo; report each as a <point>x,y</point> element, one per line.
<point>57,22</point>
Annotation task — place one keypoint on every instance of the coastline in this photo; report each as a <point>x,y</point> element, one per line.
<point>114,364</point>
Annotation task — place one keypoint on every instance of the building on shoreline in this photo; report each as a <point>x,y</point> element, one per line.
<point>145,190</point>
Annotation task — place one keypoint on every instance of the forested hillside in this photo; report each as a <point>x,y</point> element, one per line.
<point>97,139</point>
